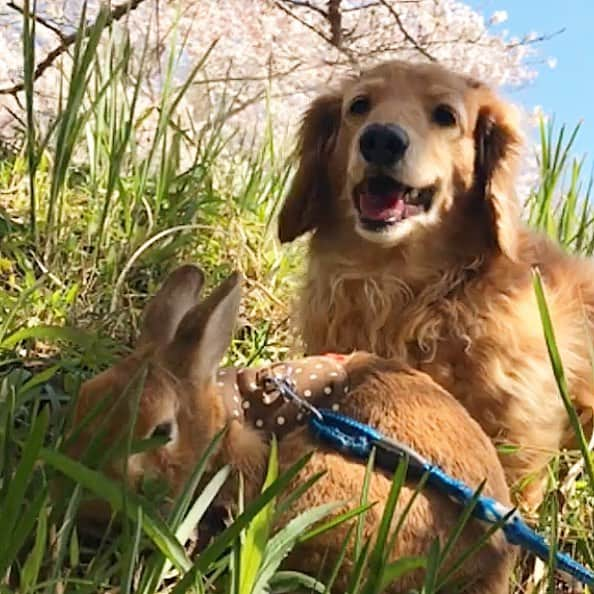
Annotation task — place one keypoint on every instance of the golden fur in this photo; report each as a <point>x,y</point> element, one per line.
<point>182,342</point>
<point>448,291</point>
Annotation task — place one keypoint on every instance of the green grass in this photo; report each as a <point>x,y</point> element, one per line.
<point>92,217</point>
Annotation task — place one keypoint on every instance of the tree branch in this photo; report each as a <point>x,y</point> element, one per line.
<point>280,4</point>
<point>335,20</point>
<point>42,21</point>
<point>67,40</point>
<point>406,34</point>
<point>540,39</point>
<point>308,5</point>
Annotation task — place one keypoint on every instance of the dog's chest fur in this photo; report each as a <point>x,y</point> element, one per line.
<point>468,343</point>
<point>344,310</point>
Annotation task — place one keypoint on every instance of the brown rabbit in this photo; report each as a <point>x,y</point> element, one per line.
<point>182,342</point>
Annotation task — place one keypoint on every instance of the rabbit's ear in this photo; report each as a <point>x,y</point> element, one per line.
<point>179,293</point>
<point>205,333</point>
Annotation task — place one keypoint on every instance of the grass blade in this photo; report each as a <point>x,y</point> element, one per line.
<point>114,493</point>
<point>258,531</point>
<point>396,569</point>
<point>363,501</point>
<point>214,550</point>
<point>292,581</point>
<point>379,553</point>
<point>30,573</point>
<point>283,542</point>
<point>16,493</point>
<point>29,22</point>
<point>555,359</point>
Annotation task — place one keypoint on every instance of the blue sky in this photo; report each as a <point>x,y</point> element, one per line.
<point>567,91</point>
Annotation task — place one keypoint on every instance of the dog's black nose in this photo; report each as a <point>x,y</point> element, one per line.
<point>383,144</point>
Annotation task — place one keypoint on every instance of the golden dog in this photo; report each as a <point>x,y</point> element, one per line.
<point>406,177</point>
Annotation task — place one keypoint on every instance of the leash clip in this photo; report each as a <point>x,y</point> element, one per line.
<point>284,387</point>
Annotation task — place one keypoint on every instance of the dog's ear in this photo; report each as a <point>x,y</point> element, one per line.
<point>498,141</point>
<point>309,195</point>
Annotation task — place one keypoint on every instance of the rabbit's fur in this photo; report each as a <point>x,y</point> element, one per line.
<point>181,344</point>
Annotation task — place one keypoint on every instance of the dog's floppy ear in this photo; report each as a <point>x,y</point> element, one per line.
<point>498,141</point>
<point>309,194</point>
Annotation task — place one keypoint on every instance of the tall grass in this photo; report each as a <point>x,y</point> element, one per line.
<point>561,205</point>
<point>97,215</point>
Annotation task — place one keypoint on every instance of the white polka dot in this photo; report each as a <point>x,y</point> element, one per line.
<point>333,374</point>
<point>280,420</point>
<point>236,387</point>
<point>220,384</point>
<point>235,413</point>
<point>253,386</point>
<point>307,393</point>
<point>346,389</point>
<point>266,399</point>
<point>299,416</point>
<point>319,366</point>
<point>298,370</point>
<point>327,390</point>
<point>335,406</point>
<point>259,423</point>
<point>313,376</point>
<point>246,404</point>
<point>236,398</point>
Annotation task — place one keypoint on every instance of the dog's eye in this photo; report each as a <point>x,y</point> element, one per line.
<point>445,116</point>
<point>164,431</point>
<point>360,105</point>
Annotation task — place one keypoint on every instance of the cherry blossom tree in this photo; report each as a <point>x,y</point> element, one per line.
<point>268,57</point>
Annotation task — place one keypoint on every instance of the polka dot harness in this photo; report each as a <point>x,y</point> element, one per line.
<point>248,396</point>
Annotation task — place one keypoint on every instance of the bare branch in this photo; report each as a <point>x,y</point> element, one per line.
<point>347,53</point>
<point>16,116</point>
<point>333,16</point>
<point>254,78</point>
<point>67,40</point>
<point>335,20</point>
<point>361,6</point>
<point>308,5</point>
<point>406,34</point>
<point>534,40</point>
<point>279,4</point>
<point>44,22</point>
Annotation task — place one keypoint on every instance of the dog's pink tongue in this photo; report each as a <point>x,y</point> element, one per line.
<point>382,207</point>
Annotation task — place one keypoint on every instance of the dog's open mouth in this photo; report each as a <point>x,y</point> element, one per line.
<point>382,201</point>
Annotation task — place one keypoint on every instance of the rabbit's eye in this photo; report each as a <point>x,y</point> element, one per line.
<point>164,431</point>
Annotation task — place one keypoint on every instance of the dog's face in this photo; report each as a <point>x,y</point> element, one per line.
<point>409,140</point>
<point>397,150</point>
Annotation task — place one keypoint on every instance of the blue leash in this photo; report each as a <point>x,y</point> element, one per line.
<point>357,439</point>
